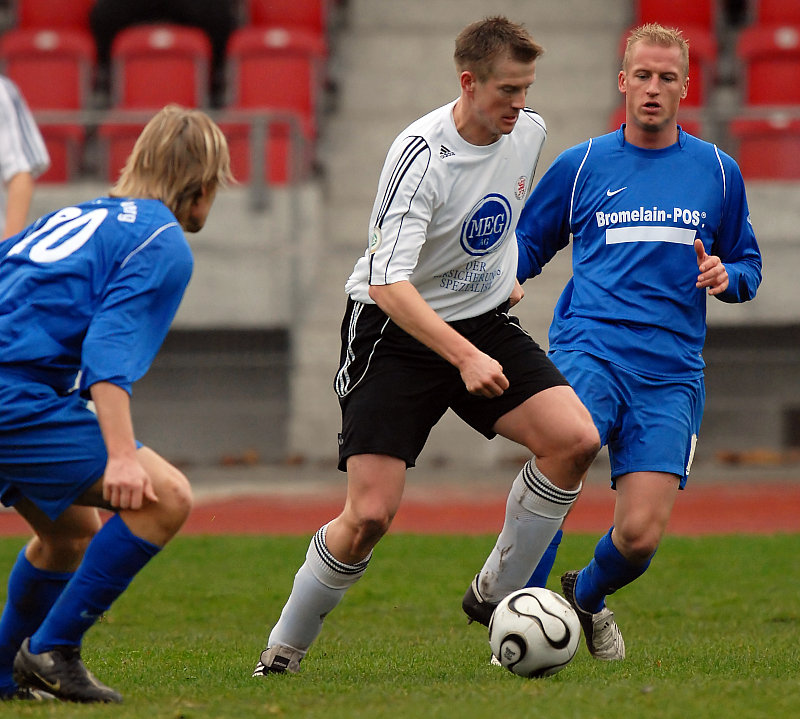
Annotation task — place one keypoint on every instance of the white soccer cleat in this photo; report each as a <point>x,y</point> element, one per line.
<point>278,660</point>
<point>603,637</point>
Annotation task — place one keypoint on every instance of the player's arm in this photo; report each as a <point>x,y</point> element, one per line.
<point>19,191</point>
<point>126,485</point>
<point>516,294</point>
<point>735,245</point>
<point>402,302</point>
<point>543,228</point>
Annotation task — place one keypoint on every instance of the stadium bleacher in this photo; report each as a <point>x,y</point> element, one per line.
<point>281,266</point>
<point>277,79</point>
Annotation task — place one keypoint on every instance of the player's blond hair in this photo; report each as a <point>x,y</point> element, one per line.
<point>480,44</point>
<point>656,34</point>
<point>179,153</point>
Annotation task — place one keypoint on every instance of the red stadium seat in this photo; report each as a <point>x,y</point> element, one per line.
<point>777,12</point>
<point>677,13</point>
<point>53,14</point>
<point>304,14</point>
<point>276,69</point>
<point>154,65</point>
<point>768,149</point>
<point>53,69</point>
<point>770,56</point>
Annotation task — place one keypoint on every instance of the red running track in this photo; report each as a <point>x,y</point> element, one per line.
<point>757,507</point>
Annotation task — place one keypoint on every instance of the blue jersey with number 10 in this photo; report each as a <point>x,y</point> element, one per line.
<point>634,215</point>
<point>93,288</point>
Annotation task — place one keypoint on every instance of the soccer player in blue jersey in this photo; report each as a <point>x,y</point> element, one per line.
<point>87,295</point>
<point>659,220</point>
<point>426,329</point>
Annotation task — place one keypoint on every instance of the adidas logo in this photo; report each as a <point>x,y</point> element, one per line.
<point>445,152</point>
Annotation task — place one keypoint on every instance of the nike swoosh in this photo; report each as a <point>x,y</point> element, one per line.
<point>52,686</point>
<point>611,193</point>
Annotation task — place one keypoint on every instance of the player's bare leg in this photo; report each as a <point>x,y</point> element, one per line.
<point>337,558</point>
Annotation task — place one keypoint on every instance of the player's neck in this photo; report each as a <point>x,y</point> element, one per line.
<point>651,140</point>
<point>471,130</point>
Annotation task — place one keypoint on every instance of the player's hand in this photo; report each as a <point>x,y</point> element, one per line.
<point>712,272</point>
<point>126,485</point>
<point>516,294</point>
<point>484,376</point>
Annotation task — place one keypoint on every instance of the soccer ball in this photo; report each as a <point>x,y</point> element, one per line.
<point>534,632</point>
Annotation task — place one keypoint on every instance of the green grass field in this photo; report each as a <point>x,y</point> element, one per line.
<point>712,630</point>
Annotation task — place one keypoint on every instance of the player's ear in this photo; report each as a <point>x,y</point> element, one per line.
<point>468,81</point>
<point>198,195</point>
<point>622,82</point>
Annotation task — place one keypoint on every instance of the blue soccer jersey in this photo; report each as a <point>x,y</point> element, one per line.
<point>634,215</point>
<point>91,288</point>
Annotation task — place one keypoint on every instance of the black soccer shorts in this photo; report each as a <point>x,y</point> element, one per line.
<point>392,389</point>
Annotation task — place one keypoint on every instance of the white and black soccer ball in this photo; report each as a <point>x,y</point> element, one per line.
<point>534,632</point>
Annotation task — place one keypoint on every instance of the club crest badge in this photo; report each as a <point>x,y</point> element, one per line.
<point>375,239</point>
<point>486,225</point>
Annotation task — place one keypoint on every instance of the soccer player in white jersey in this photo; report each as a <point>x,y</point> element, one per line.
<point>87,294</point>
<point>426,329</point>
<point>659,220</point>
<point>23,157</point>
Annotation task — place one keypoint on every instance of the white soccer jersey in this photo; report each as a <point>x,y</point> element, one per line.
<point>22,148</point>
<point>445,214</point>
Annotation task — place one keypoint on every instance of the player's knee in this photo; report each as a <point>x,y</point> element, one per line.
<point>584,446</point>
<point>66,549</point>
<point>369,531</point>
<point>637,546</point>
<point>174,498</point>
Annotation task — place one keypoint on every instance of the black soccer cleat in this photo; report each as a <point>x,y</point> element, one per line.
<point>475,606</point>
<point>60,672</point>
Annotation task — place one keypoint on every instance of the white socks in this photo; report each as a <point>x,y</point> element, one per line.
<point>534,512</point>
<point>319,586</point>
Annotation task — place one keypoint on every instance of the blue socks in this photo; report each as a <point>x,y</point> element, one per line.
<point>545,566</point>
<point>606,573</point>
<point>31,594</point>
<point>112,559</point>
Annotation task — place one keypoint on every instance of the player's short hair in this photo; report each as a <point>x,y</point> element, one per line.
<point>179,153</point>
<point>480,44</point>
<point>656,34</point>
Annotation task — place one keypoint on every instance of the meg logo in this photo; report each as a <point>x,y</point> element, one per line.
<point>486,225</point>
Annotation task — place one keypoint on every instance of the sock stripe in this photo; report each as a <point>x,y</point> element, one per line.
<point>331,562</point>
<point>542,487</point>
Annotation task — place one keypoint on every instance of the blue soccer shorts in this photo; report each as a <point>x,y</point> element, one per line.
<point>51,448</point>
<point>649,424</point>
